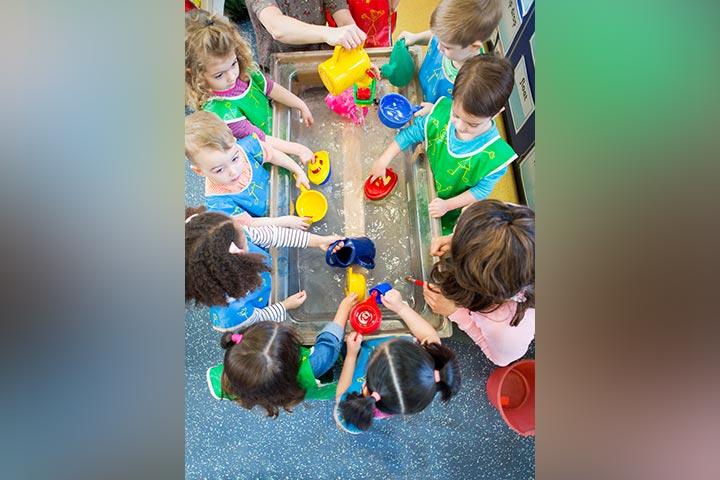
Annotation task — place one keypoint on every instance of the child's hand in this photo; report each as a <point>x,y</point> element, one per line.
<point>294,301</point>
<point>410,38</point>
<point>437,302</point>
<point>305,155</point>
<point>349,36</point>
<point>426,108</point>
<point>353,341</point>
<point>323,242</point>
<point>438,207</point>
<point>347,303</point>
<point>377,170</point>
<point>307,117</point>
<point>301,179</point>
<point>393,300</point>
<point>376,72</point>
<point>439,246</point>
<point>293,221</point>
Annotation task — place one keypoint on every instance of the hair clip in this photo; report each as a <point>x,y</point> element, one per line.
<point>376,396</point>
<point>234,248</point>
<point>437,376</point>
<point>519,297</point>
<point>236,337</point>
<point>191,217</point>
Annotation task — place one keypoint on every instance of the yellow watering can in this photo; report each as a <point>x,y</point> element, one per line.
<point>355,283</point>
<point>344,69</point>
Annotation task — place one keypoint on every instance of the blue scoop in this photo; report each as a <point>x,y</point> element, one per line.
<point>395,110</point>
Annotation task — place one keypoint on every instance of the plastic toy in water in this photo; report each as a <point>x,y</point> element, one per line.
<point>364,96</point>
<point>511,390</point>
<point>355,283</point>
<point>344,105</point>
<point>356,250</point>
<point>395,110</point>
<point>381,289</point>
<point>319,168</point>
<point>401,68</point>
<point>344,69</point>
<point>382,186</point>
<point>366,317</point>
<point>311,203</point>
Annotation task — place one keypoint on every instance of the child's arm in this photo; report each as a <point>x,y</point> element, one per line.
<point>291,148</point>
<point>276,157</point>
<point>417,325</point>
<point>329,341</point>
<point>287,221</point>
<point>407,137</point>
<point>439,207</point>
<point>272,236</point>
<point>378,167</point>
<point>422,38</point>
<point>353,348</point>
<point>282,95</point>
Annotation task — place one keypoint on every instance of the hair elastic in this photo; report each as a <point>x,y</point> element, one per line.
<point>376,396</point>
<point>236,337</point>
<point>191,217</point>
<point>519,297</point>
<point>437,376</point>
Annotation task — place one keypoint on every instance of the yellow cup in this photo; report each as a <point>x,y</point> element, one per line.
<point>344,69</point>
<point>311,203</point>
<point>355,282</point>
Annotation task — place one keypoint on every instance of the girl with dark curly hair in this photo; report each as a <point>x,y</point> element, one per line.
<point>486,285</point>
<point>394,375</point>
<point>265,364</point>
<point>227,267</point>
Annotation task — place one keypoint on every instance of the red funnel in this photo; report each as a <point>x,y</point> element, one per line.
<point>511,390</point>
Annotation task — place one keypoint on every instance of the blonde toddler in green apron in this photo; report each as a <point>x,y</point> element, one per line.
<point>222,78</point>
<point>466,154</point>
<point>265,364</point>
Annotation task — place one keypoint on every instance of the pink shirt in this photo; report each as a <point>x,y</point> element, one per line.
<point>500,342</point>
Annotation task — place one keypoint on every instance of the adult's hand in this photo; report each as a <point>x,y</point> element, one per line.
<point>349,36</point>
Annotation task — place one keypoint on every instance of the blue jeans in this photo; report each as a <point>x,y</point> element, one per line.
<point>327,348</point>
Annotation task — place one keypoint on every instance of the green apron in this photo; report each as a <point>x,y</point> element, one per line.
<point>455,174</point>
<point>306,380</point>
<point>252,105</point>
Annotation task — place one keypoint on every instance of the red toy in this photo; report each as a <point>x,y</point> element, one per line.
<point>365,317</point>
<point>382,186</point>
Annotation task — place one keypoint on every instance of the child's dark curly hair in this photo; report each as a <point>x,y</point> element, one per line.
<point>212,273</point>
<point>262,368</point>
<point>402,373</point>
<point>492,258</point>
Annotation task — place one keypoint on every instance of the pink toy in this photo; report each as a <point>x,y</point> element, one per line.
<point>344,105</point>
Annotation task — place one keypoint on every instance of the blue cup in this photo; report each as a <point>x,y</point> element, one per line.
<point>357,250</point>
<point>381,289</point>
<point>395,110</point>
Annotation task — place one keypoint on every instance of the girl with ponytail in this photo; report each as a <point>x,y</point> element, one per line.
<point>394,375</point>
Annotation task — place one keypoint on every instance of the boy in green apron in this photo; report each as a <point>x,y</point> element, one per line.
<point>467,156</point>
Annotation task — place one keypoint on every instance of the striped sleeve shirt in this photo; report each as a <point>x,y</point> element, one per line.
<point>274,236</point>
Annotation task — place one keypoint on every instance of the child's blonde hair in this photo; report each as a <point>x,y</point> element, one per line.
<point>462,22</point>
<point>210,36</point>
<point>205,130</point>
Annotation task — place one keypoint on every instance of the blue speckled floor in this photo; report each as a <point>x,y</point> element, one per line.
<point>465,439</point>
